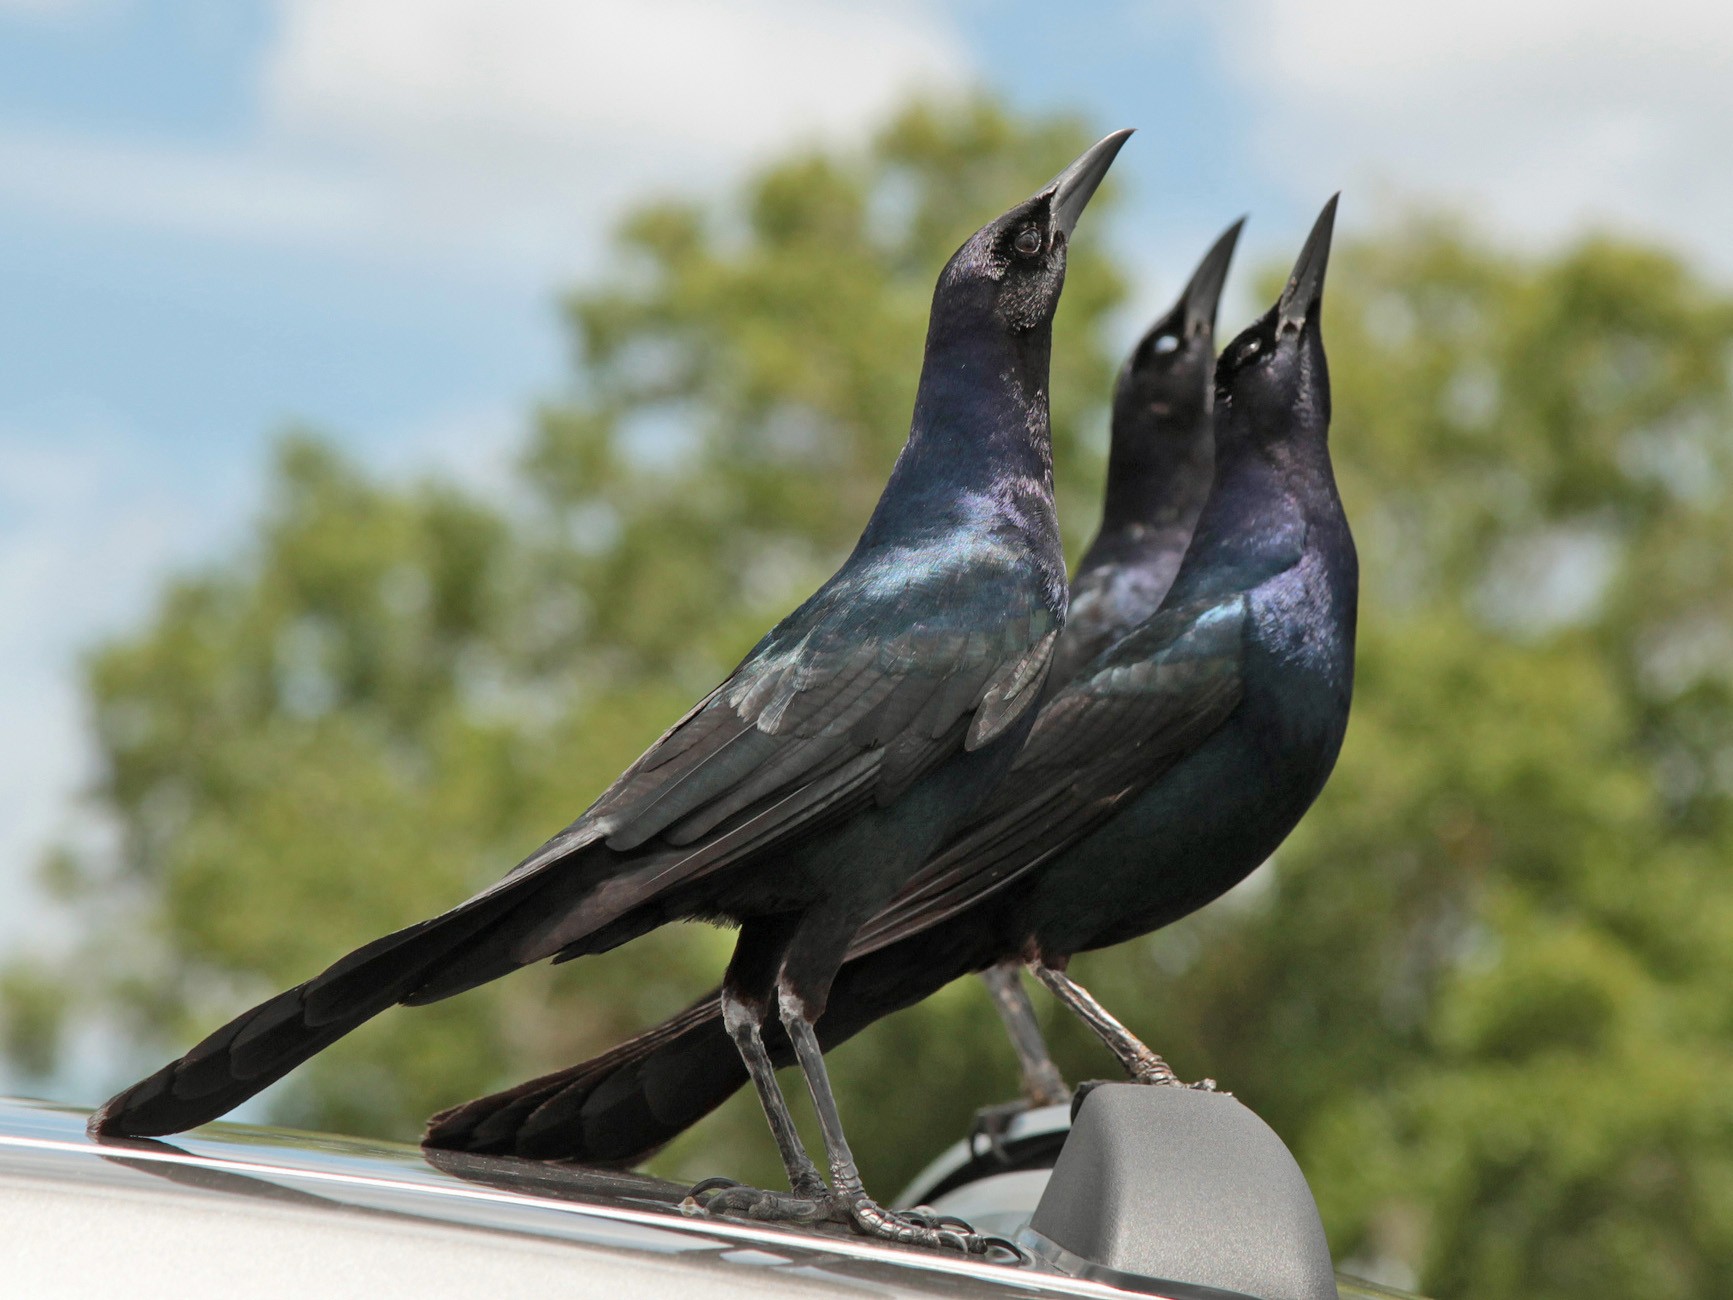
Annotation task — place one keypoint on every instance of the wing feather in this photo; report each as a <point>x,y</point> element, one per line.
<point>844,704</point>
<point>1132,713</point>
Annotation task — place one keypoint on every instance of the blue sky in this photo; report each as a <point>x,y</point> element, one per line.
<point>221,216</point>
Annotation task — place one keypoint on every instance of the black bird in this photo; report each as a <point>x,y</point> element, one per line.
<point>1160,462</point>
<point>1155,780</point>
<point>798,796</point>
<point>1159,467</point>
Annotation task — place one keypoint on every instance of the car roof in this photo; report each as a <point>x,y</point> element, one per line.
<point>287,1213</point>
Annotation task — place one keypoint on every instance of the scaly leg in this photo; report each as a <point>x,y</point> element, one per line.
<point>745,1002</point>
<point>869,1217</point>
<point>742,1020</point>
<point>1142,1064</point>
<point>1043,1085</point>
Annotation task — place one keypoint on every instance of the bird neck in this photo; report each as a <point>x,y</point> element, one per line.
<point>1268,494</point>
<point>980,451</point>
<point>1158,476</point>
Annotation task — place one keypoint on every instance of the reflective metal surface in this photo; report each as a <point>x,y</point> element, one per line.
<point>235,1210</point>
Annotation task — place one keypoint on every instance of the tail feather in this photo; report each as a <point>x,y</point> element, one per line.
<point>622,1107</point>
<point>617,1109</point>
<point>260,1046</point>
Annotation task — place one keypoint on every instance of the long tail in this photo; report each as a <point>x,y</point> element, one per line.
<point>616,1109</point>
<point>620,1108</point>
<point>260,1046</point>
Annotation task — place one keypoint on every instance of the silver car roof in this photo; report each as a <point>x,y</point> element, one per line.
<point>266,1212</point>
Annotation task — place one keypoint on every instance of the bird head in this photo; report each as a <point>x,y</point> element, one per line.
<point>1273,378</point>
<point>1164,384</point>
<point>1014,266</point>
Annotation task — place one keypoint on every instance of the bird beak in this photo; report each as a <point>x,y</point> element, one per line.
<point>1072,188</point>
<point>1306,285</point>
<point>1205,290</point>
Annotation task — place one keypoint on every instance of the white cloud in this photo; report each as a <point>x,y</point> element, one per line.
<point>721,81</point>
<point>519,127</point>
<point>1542,115</point>
<point>480,137</point>
<point>494,135</point>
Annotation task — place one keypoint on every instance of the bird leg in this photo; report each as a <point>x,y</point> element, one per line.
<point>1043,1085</point>
<point>868,1216</point>
<point>742,1020</point>
<point>1142,1064</point>
<point>745,1003</point>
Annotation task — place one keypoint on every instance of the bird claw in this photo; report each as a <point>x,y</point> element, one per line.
<point>1163,1077</point>
<point>926,1216</point>
<point>726,1197</point>
<point>711,1185</point>
<point>1157,1076</point>
<point>988,1129</point>
<point>1081,1092</point>
<point>1011,1248</point>
<point>921,1226</point>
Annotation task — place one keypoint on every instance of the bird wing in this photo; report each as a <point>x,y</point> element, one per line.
<point>1103,737</point>
<point>845,704</point>
<point>1107,601</point>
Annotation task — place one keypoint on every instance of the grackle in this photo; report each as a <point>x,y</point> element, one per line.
<point>1159,467</point>
<point>1153,781</point>
<point>797,797</point>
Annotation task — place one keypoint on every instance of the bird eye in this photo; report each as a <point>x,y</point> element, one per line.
<point>1165,344</point>
<point>1028,241</point>
<point>1250,351</point>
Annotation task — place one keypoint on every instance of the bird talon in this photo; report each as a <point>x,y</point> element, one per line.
<point>742,1201</point>
<point>988,1244</point>
<point>921,1226</point>
<point>925,1216</point>
<point>707,1185</point>
<point>988,1129</point>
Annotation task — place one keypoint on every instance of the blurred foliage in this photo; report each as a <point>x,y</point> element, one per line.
<point>1485,991</point>
<point>398,691</point>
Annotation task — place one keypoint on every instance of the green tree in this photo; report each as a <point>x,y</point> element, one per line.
<point>399,691</point>
<point>1484,991</point>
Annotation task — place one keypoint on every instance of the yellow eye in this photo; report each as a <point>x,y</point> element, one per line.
<point>1028,241</point>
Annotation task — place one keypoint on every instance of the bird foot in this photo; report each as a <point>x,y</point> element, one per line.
<point>921,1226</point>
<point>988,1129</point>
<point>1081,1092</point>
<point>1148,1068</point>
<point>725,1196</point>
<point>1164,1078</point>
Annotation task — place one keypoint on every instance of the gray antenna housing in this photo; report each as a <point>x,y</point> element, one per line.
<point>1181,1193</point>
